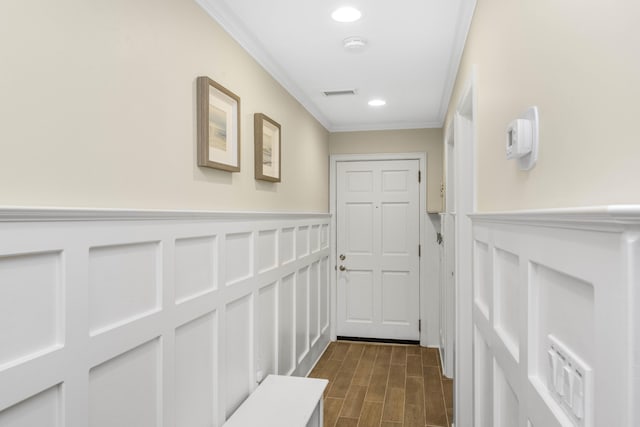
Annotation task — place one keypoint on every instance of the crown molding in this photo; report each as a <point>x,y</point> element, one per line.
<point>224,16</point>
<point>465,16</point>
<point>46,214</point>
<point>386,126</point>
<point>221,13</point>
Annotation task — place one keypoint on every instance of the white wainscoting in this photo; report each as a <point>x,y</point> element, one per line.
<point>143,318</point>
<point>573,274</point>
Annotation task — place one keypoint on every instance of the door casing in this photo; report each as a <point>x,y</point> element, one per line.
<point>465,117</point>
<point>447,258</point>
<point>333,161</point>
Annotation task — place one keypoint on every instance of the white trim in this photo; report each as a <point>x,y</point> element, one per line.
<point>236,29</point>
<point>223,15</point>
<point>333,161</point>
<point>38,214</point>
<point>385,126</point>
<point>449,134</point>
<point>465,17</point>
<point>603,243</point>
<point>601,218</point>
<point>448,206</point>
<point>324,350</point>
<point>68,241</point>
<point>465,204</point>
<point>446,336</point>
<point>377,156</point>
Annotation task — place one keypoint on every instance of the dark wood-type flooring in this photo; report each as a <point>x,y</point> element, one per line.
<point>378,385</point>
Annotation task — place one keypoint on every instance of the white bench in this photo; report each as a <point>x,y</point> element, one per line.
<point>282,401</point>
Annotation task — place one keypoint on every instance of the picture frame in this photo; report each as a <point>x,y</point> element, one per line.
<point>218,123</point>
<point>268,148</point>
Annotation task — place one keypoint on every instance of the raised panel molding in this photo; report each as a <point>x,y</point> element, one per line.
<point>239,257</point>
<point>126,389</point>
<point>195,267</point>
<point>287,245</point>
<point>396,293</point>
<point>314,309</point>
<point>572,274</point>
<point>302,313</point>
<point>124,284</point>
<point>267,250</point>
<point>154,318</point>
<point>239,360</point>
<point>268,326</point>
<point>302,241</point>
<point>287,325</point>
<point>43,410</point>
<point>195,370</point>
<point>314,238</point>
<point>31,288</point>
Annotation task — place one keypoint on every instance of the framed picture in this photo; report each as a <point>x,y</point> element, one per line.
<point>267,148</point>
<point>218,119</point>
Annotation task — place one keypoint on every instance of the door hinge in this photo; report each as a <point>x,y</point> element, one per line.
<point>419,325</point>
<point>419,176</point>
<point>419,250</point>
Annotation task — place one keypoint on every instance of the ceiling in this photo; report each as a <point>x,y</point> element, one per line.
<point>411,58</point>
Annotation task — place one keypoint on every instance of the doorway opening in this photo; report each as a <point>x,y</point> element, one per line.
<point>378,204</point>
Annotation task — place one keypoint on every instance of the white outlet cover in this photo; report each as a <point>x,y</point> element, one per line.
<point>572,371</point>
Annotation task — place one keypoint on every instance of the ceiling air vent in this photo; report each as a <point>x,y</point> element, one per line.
<point>339,92</point>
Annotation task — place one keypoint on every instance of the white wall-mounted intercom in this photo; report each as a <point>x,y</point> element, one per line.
<point>522,139</point>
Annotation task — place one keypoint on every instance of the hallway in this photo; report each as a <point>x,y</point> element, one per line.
<point>164,248</point>
<point>384,385</point>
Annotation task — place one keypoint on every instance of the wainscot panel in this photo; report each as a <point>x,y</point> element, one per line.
<point>154,317</point>
<point>556,317</point>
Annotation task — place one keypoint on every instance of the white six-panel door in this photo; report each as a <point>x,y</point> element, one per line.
<point>378,234</point>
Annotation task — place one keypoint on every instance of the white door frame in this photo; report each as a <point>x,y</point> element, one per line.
<point>333,161</point>
<point>446,287</point>
<point>465,119</point>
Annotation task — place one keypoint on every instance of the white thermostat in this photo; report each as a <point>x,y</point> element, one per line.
<point>522,139</point>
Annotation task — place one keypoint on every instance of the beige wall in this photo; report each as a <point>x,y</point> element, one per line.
<point>97,109</point>
<point>579,62</point>
<point>398,141</point>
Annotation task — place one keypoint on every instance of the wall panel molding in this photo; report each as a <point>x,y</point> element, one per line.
<point>165,317</point>
<point>572,274</point>
<point>24,214</point>
<point>611,217</point>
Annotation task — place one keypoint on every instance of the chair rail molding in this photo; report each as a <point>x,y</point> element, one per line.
<point>23,214</point>
<point>611,217</point>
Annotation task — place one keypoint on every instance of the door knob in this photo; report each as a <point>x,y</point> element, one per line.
<point>342,257</point>
<point>342,268</point>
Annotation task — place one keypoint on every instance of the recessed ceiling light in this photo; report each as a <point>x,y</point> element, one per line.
<point>346,14</point>
<point>377,102</point>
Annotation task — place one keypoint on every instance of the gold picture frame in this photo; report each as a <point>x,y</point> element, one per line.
<point>218,122</point>
<point>267,142</point>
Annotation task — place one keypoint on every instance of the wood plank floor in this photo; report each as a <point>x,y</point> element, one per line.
<point>379,385</point>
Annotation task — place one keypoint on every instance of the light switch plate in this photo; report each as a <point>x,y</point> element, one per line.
<point>571,385</point>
